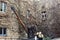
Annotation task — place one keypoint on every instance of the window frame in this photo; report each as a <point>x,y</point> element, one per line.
<point>3,34</point>
<point>43,15</point>
<point>3,6</point>
<point>28,13</point>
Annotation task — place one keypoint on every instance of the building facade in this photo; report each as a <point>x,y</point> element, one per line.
<point>37,12</point>
<point>8,22</point>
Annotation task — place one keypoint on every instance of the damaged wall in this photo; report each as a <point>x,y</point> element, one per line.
<point>31,12</point>
<point>36,8</point>
<point>8,20</point>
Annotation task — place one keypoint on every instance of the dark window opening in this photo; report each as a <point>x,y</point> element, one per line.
<point>2,31</point>
<point>45,15</point>
<point>0,9</point>
<point>43,12</point>
<point>28,11</point>
<point>42,15</point>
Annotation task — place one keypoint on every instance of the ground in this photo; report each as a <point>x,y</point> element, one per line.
<point>56,39</point>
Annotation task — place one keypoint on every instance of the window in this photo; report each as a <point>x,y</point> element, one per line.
<point>2,6</point>
<point>44,15</point>
<point>2,31</point>
<point>28,13</point>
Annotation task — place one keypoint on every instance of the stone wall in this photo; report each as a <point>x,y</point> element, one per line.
<point>8,20</point>
<point>36,7</point>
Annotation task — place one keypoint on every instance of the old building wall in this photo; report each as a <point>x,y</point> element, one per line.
<point>26,8</point>
<point>8,20</point>
<point>36,8</point>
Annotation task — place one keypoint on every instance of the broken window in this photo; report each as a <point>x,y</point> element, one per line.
<point>44,15</point>
<point>2,6</point>
<point>2,31</point>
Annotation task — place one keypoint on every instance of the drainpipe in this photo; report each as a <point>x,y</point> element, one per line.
<point>19,19</point>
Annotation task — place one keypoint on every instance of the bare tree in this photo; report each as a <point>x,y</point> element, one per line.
<point>48,26</point>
